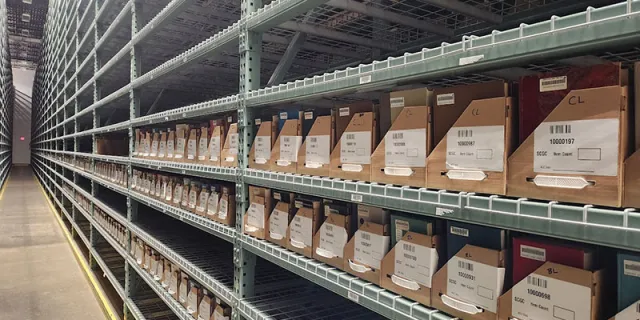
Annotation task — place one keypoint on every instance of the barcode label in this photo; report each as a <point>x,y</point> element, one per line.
<point>308,115</point>
<point>445,99</point>
<point>553,84</point>
<point>465,265</point>
<point>631,268</point>
<point>459,231</point>
<point>365,236</point>
<point>313,139</point>
<point>398,135</point>
<point>344,111</point>
<point>408,247</point>
<point>537,282</point>
<point>353,296</point>
<point>466,133</point>
<point>283,116</point>
<point>350,136</point>
<point>560,129</point>
<point>397,102</point>
<point>365,79</point>
<point>356,197</point>
<point>533,253</point>
<point>443,211</point>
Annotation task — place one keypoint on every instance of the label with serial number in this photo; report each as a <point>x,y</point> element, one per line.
<point>278,224</point>
<point>202,148</point>
<point>223,209</point>
<point>256,215</point>
<point>214,148</point>
<point>405,148</point>
<point>333,239</point>
<point>355,147</point>
<point>318,149</point>
<point>480,148</point>
<point>534,253</point>
<point>212,204</point>
<point>233,144</point>
<point>302,230</point>
<point>415,262</point>
<point>289,146</point>
<point>475,283</point>
<point>370,248</point>
<point>263,147</point>
<point>540,297</point>
<point>553,84</point>
<point>631,268</point>
<point>577,147</point>
<point>180,145</point>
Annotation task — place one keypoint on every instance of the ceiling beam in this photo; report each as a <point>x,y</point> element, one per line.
<point>466,9</point>
<point>286,61</point>
<point>335,35</point>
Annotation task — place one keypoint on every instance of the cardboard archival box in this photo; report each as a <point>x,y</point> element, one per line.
<point>155,144</point>
<point>314,157</point>
<point>398,100</point>
<point>255,220</point>
<point>226,207</point>
<point>469,285</point>
<point>183,289</point>
<point>332,237</point>
<point>631,312</point>
<point>158,275</point>
<point>222,312</point>
<point>174,285</point>
<point>146,144</point>
<point>351,157</point>
<point>363,254</point>
<point>304,226</point>
<point>344,113</point>
<point>171,144</point>
<point>180,146</point>
<point>280,217</point>
<point>203,200</point>
<point>260,153</point>
<point>229,153</point>
<point>563,160</point>
<point>186,186</point>
<point>408,268</point>
<point>192,145</point>
<point>203,146</point>
<point>162,147</point>
<point>168,272</point>
<point>136,144</point>
<point>400,158</point>
<point>206,307</point>
<point>194,298</point>
<point>177,192</point>
<point>474,135</point>
<point>554,291</point>
<point>284,155</point>
<point>171,186</point>
<point>215,146</point>
<point>194,193</point>
<point>211,210</point>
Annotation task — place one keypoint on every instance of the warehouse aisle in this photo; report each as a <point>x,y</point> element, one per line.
<point>39,275</point>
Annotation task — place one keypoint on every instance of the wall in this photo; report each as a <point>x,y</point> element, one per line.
<point>23,82</point>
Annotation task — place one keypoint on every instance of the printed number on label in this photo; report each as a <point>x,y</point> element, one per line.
<point>356,197</point>
<point>443,211</point>
<point>353,296</point>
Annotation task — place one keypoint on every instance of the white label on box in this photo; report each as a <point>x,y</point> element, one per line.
<point>343,112</point>
<point>405,148</point>
<point>480,148</point>
<point>263,147</point>
<point>158,188</point>
<point>415,262</point>
<point>179,152</point>
<point>173,286</point>
<point>223,209</point>
<point>577,147</point>
<point>182,295</point>
<point>202,148</point>
<point>278,224</point>
<point>540,297</point>
<point>162,149</point>
<point>402,226</point>
<point>256,215</point>
<point>534,253</point>
<point>233,144</point>
<point>204,199</point>
<point>302,230</point>
<point>318,149</point>
<point>191,149</point>
<point>631,312</point>
<point>168,192</point>
<point>159,268</point>
<point>214,146</point>
<point>308,115</point>
<point>397,102</point>
<point>258,122</point>
<point>154,148</point>
<point>459,231</point>
<point>204,309</point>
<point>446,99</point>
<point>170,149</point>
<point>355,147</point>
<point>631,268</point>
<point>212,206</point>
<point>289,146</point>
<point>333,239</point>
<point>218,316</point>
<point>185,197</point>
<point>193,198</point>
<point>283,116</point>
<point>177,194</point>
<point>553,84</point>
<point>370,248</point>
<point>475,283</point>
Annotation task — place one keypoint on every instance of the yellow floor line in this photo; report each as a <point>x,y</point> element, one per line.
<point>4,187</point>
<point>96,286</point>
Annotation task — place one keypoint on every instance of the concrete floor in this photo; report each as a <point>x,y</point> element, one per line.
<point>39,275</point>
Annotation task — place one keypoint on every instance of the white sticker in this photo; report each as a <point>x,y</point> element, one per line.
<point>214,146</point>
<point>355,147</point>
<point>202,202</point>
<point>403,148</point>
<point>632,268</point>
<point>459,231</point>
<point>415,262</point>
<point>534,253</point>
<point>553,84</point>
<point>283,116</point>
<point>278,224</point>
<point>256,215</point>
<point>541,297</point>
<point>168,192</point>
<point>474,282</point>
<point>202,148</point>
<point>318,149</point>
<point>631,312</point>
<point>443,211</point>
<point>192,149</point>
<point>469,60</point>
<point>289,146</point>
<point>230,119</point>
<point>162,149</point>
<point>397,102</point>
<point>344,111</point>
<point>170,148</point>
<point>402,227</point>
<point>571,147</point>
<point>365,79</point>
<point>302,230</point>
<point>333,239</point>
<point>233,144</point>
<point>258,122</point>
<point>356,197</point>
<point>370,248</point>
<point>154,148</point>
<point>446,99</point>
<point>179,152</point>
<point>223,209</point>
<point>353,296</point>
<point>177,194</point>
<point>263,147</point>
<point>193,198</point>
<point>308,115</point>
<point>212,206</point>
<point>480,147</point>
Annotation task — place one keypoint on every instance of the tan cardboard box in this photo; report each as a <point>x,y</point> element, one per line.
<point>329,242</point>
<point>192,145</point>
<point>304,225</point>
<point>260,154</point>
<point>410,265</point>
<point>215,145</point>
<point>280,217</point>
<point>203,200</point>
<point>186,187</point>
<point>469,285</point>
<point>155,144</point>
<point>213,202</point>
<point>400,158</point>
<point>194,194</point>
<point>174,285</point>
<point>363,254</point>
<point>227,207</point>
<point>564,161</point>
<point>398,100</point>
<point>162,146</point>
<point>554,291</point>
<point>207,305</point>
<point>168,274</point>
<point>258,213</point>
<point>194,298</point>
<point>229,153</point>
<point>182,135</point>
<point>314,158</point>
<point>473,154</point>
<point>351,157</point>
<point>203,146</point>
<point>183,289</point>
<point>171,190</point>
<point>284,155</point>
<point>136,144</point>
<point>171,144</point>
<point>344,113</point>
<point>178,190</point>
<point>222,312</point>
<point>146,143</point>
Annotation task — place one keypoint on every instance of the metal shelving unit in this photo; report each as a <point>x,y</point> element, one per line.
<point>7,94</point>
<point>160,62</point>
